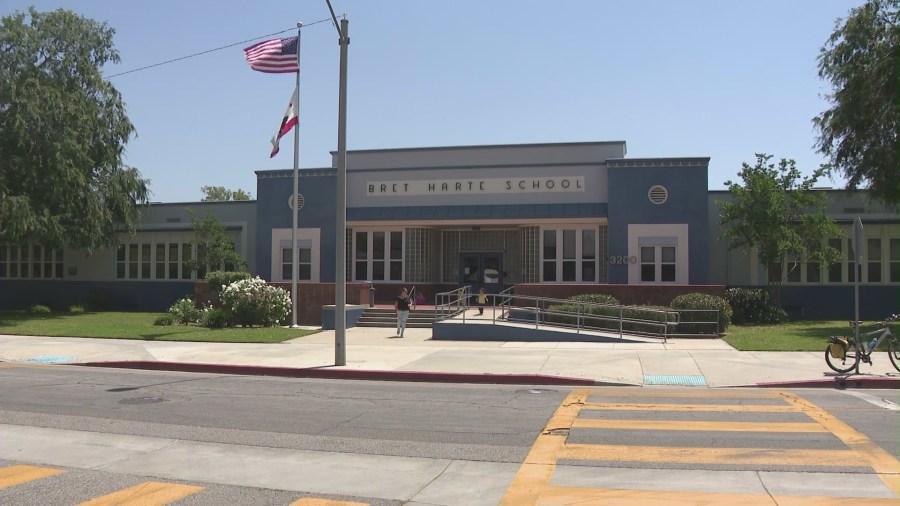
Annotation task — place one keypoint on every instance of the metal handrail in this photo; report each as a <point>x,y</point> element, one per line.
<point>447,304</point>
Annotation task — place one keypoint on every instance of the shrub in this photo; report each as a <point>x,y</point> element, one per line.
<point>707,303</point>
<point>219,280</point>
<point>216,318</point>
<point>605,314</point>
<point>253,302</point>
<point>39,309</point>
<point>76,309</point>
<point>184,311</point>
<point>753,305</point>
<point>165,319</point>
<point>595,298</point>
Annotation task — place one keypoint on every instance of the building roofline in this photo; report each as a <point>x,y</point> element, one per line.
<point>488,146</point>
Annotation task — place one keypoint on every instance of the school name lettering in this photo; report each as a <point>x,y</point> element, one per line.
<point>476,186</point>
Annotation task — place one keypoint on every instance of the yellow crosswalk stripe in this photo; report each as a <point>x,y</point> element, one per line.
<point>150,493</point>
<point>312,501</point>
<point>885,465</point>
<point>723,408</point>
<point>624,497</point>
<point>694,425</point>
<point>692,455</point>
<point>696,394</point>
<point>16,475</point>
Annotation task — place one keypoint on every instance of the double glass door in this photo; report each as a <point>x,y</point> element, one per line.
<point>482,270</point>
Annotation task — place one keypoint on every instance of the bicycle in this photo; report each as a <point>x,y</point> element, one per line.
<point>843,354</point>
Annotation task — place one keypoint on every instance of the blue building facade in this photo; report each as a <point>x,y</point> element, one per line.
<point>563,217</point>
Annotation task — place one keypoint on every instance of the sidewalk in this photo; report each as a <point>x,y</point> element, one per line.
<point>374,354</point>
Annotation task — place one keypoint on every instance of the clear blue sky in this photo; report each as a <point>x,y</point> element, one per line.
<point>717,78</point>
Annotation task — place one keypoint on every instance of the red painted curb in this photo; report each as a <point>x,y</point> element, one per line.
<point>357,374</point>
<point>839,382</point>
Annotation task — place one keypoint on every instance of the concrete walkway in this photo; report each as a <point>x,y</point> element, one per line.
<point>374,353</point>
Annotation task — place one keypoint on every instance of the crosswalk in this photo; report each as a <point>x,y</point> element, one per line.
<point>149,493</point>
<point>644,447</point>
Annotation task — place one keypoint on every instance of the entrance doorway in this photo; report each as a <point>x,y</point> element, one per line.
<point>482,270</point>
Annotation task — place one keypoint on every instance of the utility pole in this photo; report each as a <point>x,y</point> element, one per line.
<point>340,291</point>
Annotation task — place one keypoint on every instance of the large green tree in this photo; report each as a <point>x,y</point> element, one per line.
<point>220,193</point>
<point>63,130</point>
<point>860,131</point>
<point>778,214</point>
<point>215,250</point>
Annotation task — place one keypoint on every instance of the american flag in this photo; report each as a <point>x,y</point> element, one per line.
<point>277,56</point>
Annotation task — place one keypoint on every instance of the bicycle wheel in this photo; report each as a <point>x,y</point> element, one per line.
<point>894,353</point>
<point>846,364</point>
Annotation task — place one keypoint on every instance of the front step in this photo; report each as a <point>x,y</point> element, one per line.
<point>387,318</point>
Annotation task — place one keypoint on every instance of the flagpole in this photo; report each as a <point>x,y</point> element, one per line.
<point>295,208</point>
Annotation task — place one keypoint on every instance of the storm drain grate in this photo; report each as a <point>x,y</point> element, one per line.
<point>50,359</point>
<point>680,380</point>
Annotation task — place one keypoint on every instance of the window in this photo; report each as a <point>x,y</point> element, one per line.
<point>173,260</point>
<point>30,261</point>
<point>378,255</point>
<point>569,255</point>
<point>160,271</point>
<point>851,263</point>
<point>588,255</point>
<point>568,259</point>
<point>304,263</point>
<point>657,264</point>
<point>549,255</point>
<point>794,269</point>
<point>186,256</point>
<point>835,269</point>
<point>873,266</point>
<point>894,260</point>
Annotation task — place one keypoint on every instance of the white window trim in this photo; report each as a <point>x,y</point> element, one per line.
<point>279,235</point>
<point>677,230</point>
<point>387,251</point>
<point>579,251</point>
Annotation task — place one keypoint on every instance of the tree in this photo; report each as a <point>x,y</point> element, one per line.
<point>778,216</point>
<point>63,130</point>
<point>860,132</point>
<point>220,193</point>
<point>214,247</point>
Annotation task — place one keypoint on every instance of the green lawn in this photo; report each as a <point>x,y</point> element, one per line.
<point>809,335</point>
<point>127,325</point>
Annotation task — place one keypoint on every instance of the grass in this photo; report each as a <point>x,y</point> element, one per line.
<point>810,335</point>
<point>130,325</point>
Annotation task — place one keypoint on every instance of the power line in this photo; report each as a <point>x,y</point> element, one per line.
<point>212,50</point>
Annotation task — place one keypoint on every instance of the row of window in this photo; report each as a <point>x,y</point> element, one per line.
<point>569,255</point>
<point>35,262</point>
<point>378,255</point>
<point>160,261</point>
<point>882,264</point>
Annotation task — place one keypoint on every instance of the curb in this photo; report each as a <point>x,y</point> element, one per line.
<point>839,382</point>
<point>353,374</point>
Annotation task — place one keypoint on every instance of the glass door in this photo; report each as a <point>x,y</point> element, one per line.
<point>482,270</point>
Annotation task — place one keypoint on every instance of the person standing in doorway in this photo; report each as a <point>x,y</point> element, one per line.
<point>481,300</point>
<point>401,305</point>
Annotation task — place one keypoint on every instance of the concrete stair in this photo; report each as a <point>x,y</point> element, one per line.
<point>387,317</point>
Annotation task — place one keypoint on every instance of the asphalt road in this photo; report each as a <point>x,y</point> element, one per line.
<point>74,434</point>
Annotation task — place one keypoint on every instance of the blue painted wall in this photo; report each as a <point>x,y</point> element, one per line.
<point>837,302</point>
<point>319,190</point>
<point>94,295</point>
<point>687,203</point>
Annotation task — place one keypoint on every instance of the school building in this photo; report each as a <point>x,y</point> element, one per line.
<point>550,219</point>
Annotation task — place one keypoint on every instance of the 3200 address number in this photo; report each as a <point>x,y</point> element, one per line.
<point>622,259</point>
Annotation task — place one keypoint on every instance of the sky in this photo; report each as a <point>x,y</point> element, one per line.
<point>723,79</point>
